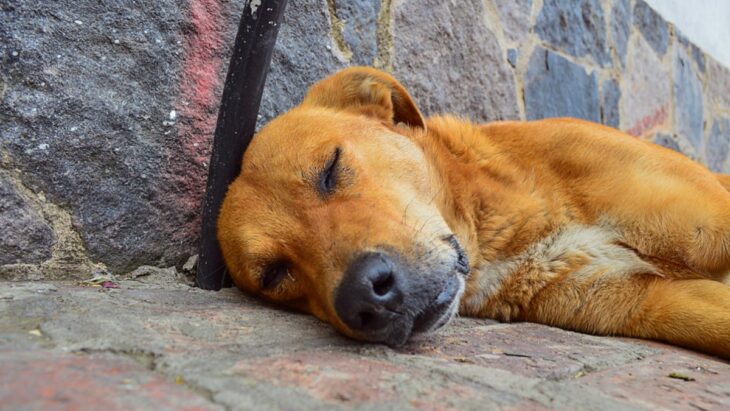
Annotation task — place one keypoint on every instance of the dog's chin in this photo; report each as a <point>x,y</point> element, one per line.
<point>436,315</point>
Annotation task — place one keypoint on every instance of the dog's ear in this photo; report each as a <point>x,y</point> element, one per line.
<point>369,92</point>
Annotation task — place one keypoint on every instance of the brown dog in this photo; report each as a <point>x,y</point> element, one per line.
<point>355,208</point>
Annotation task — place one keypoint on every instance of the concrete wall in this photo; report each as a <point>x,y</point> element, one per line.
<point>107,110</point>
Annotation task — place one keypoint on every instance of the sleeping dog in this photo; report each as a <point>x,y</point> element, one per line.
<point>355,208</point>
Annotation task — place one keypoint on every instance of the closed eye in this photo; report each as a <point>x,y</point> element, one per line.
<point>327,182</point>
<point>273,273</point>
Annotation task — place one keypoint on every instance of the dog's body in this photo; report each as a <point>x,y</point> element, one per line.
<point>356,209</point>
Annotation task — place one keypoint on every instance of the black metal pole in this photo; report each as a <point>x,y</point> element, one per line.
<point>236,124</point>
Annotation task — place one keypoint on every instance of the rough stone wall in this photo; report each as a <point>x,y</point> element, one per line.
<point>107,108</point>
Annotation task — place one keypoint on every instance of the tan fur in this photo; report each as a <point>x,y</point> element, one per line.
<point>566,222</point>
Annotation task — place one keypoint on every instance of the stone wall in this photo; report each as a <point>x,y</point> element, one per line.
<point>107,108</point>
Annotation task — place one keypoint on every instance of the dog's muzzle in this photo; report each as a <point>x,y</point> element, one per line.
<point>381,299</point>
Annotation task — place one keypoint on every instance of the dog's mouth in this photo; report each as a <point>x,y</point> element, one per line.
<point>443,308</point>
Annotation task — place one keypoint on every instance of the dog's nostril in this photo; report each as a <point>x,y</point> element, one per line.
<point>384,283</point>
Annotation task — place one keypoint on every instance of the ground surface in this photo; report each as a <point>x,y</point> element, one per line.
<point>147,346</point>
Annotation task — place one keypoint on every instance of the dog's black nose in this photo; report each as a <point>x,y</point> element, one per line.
<point>370,295</point>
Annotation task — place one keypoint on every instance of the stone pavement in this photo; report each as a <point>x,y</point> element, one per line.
<point>158,347</point>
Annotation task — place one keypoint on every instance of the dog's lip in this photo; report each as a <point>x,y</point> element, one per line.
<point>434,313</point>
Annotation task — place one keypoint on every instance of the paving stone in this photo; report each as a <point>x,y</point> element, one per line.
<point>125,349</point>
<point>357,379</point>
<point>666,140</point>
<point>718,145</point>
<point>610,107</point>
<point>645,91</point>
<point>621,27</point>
<point>575,27</point>
<point>547,94</point>
<point>648,383</point>
<point>688,105</point>
<point>430,39</point>
<point>360,19</point>
<point>47,380</point>
<point>719,80</point>
<point>515,17</point>
<point>652,26</point>
<point>529,350</point>
<point>26,237</point>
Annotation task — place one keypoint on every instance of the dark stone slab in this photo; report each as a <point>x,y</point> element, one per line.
<point>302,56</point>
<point>450,61</point>
<point>109,109</point>
<point>575,27</point>
<point>611,97</point>
<point>621,27</point>
<point>688,100</point>
<point>548,93</point>
<point>718,145</point>
<point>93,84</point>
<point>26,237</point>
<point>652,26</point>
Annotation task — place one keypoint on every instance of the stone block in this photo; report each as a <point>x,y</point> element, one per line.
<point>359,19</point>
<point>512,56</point>
<point>718,145</point>
<point>652,26</point>
<point>621,27</point>
<point>303,54</point>
<point>88,108</point>
<point>575,27</point>
<point>450,61</point>
<point>666,140</point>
<point>611,91</point>
<point>515,18</point>
<point>688,100</point>
<point>645,91</point>
<point>555,87</point>
<point>697,54</point>
<point>26,237</point>
<point>109,109</point>
<point>719,84</point>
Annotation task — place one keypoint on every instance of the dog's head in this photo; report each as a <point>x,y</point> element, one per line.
<point>336,212</point>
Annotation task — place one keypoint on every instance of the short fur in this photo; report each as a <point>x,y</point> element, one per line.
<point>565,222</point>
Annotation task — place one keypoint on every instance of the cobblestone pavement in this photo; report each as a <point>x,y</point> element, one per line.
<point>147,346</point>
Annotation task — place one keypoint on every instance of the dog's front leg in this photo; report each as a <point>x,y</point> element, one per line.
<point>690,313</point>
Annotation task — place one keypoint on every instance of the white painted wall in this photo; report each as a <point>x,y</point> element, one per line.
<point>705,22</point>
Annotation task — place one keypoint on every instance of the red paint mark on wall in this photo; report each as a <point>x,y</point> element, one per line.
<point>197,108</point>
<point>648,122</point>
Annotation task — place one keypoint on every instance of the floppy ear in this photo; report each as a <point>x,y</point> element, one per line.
<point>369,92</point>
